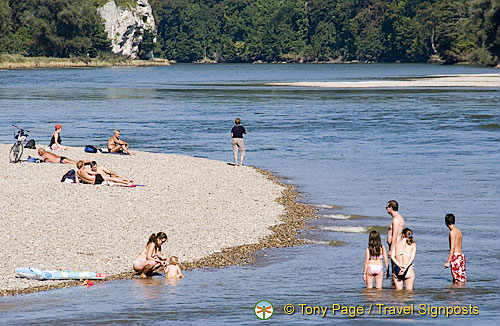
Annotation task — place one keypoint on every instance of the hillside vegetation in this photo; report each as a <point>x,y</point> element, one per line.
<point>449,31</point>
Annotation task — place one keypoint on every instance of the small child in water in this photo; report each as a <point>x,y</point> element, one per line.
<point>173,270</point>
<point>456,257</point>
<point>375,258</point>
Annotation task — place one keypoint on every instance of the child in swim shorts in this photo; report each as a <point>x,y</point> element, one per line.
<point>456,258</point>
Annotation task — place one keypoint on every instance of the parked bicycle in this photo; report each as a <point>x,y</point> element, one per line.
<point>16,150</point>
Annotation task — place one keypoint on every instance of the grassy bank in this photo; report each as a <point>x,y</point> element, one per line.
<point>16,61</point>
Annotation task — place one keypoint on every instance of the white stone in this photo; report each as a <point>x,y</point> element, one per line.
<point>126,27</point>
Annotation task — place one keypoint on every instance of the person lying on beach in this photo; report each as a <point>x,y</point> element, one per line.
<point>173,270</point>
<point>375,257</point>
<point>456,257</point>
<point>105,172</point>
<point>403,257</point>
<point>55,141</point>
<point>150,257</point>
<point>90,177</point>
<point>116,145</point>
<point>53,158</point>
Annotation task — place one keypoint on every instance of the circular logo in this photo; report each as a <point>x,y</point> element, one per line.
<point>263,309</point>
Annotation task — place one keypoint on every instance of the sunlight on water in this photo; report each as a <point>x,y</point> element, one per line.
<point>435,151</point>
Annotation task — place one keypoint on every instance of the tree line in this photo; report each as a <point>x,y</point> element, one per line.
<point>269,30</point>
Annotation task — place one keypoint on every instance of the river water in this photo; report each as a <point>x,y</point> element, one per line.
<point>349,151</point>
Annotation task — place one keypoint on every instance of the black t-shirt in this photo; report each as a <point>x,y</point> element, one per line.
<point>238,131</point>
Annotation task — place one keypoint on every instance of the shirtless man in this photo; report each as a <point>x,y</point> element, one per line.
<point>116,145</point>
<point>53,158</point>
<point>396,227</point>
<point>456,257</point>
<point>94,178</point>
<point>105,172</point>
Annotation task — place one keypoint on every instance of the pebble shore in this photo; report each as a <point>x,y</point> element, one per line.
<point>215,214</point>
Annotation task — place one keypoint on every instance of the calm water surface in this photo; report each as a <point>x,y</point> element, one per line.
<point>435,151</point>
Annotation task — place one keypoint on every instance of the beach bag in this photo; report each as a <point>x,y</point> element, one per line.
<point>90,149</point>
<point>70,175</point>
<point>30,144</point>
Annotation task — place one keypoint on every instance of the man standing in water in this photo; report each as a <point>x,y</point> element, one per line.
<point>396,227</point>
<point>456,257</point>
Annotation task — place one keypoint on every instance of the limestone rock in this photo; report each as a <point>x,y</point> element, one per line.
<point>127,27</point>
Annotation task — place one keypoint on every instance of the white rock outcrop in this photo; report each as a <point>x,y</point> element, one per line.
<point>126,27</point>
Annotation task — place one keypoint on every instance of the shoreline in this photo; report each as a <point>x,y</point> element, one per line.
<point>472,80</point>
<point>42,63</point>
<point>283,233</point>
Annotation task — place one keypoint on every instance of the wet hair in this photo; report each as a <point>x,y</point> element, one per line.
<point>93,163</point>
<point>237,121</point>
<point>174,260</point>
<point>449,219</point>
<point>374,243</point>
<point>393,204</point>
<point>408,234</point>
<point>79,164</point>
<point>155,237</point>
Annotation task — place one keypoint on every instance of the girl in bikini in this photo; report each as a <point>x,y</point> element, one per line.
<point>375,257</point>
<point>404,255</point>
<point>150,257</point>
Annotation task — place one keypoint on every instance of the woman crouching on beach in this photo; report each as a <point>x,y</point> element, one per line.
<point>375,257</point>
<point>150,257</point>
<point>404,255</point>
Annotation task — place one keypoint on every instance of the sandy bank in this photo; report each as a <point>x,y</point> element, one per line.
<point>483,80</point>
<point>213,213</point>
<point>42,62</point>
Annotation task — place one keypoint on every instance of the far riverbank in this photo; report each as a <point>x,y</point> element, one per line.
<point>8,61</point>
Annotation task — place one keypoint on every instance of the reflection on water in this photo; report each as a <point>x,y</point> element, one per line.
<point>435,151</point>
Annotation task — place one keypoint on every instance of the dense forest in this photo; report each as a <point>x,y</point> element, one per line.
<point>269,30</point>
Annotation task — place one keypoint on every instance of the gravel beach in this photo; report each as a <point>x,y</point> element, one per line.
<point>477,80</point>
<point>214,213</point>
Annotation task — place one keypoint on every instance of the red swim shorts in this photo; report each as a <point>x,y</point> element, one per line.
<point>458,267</point>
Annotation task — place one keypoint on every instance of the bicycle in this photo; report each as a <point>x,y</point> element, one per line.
<point>16,150</point>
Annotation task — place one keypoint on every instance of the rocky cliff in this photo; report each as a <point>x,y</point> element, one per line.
<point>129,28</point>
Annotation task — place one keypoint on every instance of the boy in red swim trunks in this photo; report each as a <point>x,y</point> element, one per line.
<point>456,257</point>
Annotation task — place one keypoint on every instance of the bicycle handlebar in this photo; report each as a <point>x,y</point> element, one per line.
<point>21,129</point>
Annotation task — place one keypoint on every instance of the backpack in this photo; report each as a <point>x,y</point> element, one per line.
<point>91,149</point>
<point>30,144</point>
<point>69,175</point>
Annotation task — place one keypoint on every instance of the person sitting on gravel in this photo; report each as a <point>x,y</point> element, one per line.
<point>173,270</point>
<point>55,141</point>
<point>53,158</point>
<point>150,257</point>
<point>103,171</point>
<point>116,145</point>
<point>91,177</point>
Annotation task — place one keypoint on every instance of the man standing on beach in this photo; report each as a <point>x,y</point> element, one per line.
<point>456,257</point>
<point>237,135</point>
<point>116,145</point>
<point>396,227</point>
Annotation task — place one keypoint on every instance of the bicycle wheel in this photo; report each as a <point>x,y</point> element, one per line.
<point>15,153</point>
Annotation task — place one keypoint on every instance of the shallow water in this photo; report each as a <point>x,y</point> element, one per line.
<point>434,150</point>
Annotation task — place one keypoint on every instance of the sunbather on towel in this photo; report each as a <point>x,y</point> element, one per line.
<point>90,177</point>
<point>103,171</point>
<point>53,158</point>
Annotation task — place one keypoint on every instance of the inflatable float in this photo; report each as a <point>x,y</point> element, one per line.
<point>33,273</point>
